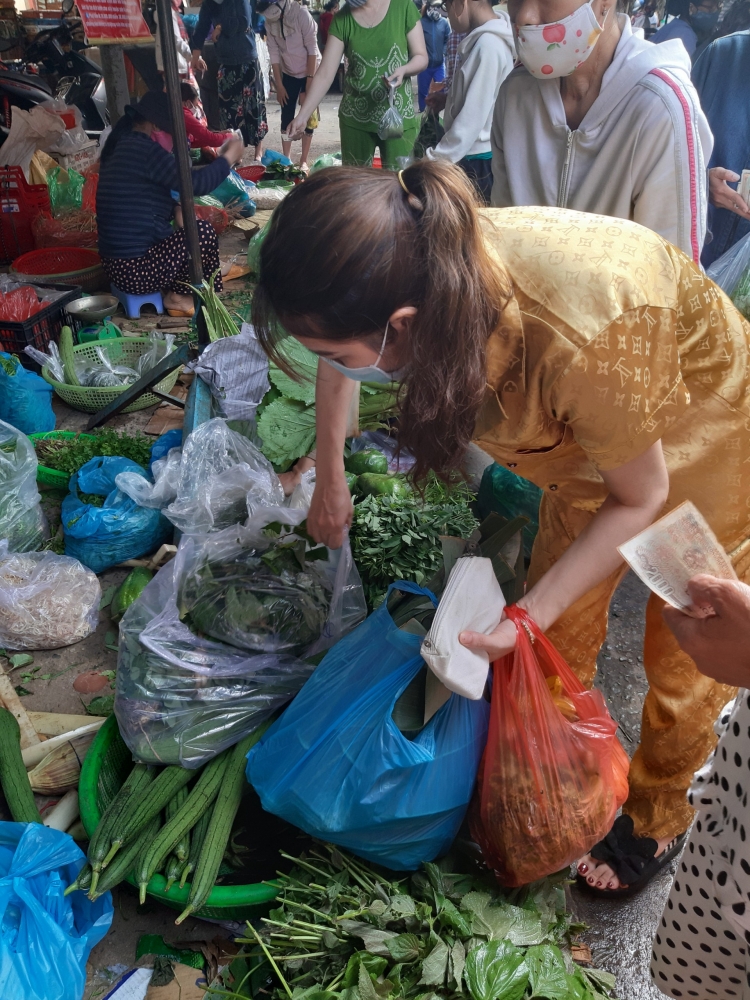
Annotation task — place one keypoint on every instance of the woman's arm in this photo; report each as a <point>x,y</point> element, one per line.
<point>319,87</point>
<point>637,492</point>
<point>417,56</point>
<point>331,507</point>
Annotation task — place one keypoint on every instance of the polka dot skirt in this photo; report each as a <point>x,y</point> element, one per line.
<point>166,265</point>
<point>701,946</point>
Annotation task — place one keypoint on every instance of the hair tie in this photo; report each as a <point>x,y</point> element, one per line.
<point>400,176</point>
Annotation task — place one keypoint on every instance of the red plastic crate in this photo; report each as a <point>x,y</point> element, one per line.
<point>20,203</point>
<point>38,330</point>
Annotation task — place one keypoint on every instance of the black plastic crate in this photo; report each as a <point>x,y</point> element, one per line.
<point>38,330</point>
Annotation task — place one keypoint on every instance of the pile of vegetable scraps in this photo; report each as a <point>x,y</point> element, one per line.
<point>345,930</point>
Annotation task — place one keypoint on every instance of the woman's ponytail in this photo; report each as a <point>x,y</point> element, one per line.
<point>350,246</point>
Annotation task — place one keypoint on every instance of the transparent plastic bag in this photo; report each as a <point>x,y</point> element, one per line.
<point>24,397</point>
<point>53,361</point>
<point>326,160</point>
<point>46,601</point>
<point>104,536</point>
<point>553,774</point>
<point>163,490</point>
<point>22,521</point>
<point>731,272</point>
<point>391,124</point>
<point>182,697</point>
<point>161,345</point>
<point>218,469</point>
<point>65,191</point>
<point>46,936</point>
<point>107,374</point>
<point>337,765</point>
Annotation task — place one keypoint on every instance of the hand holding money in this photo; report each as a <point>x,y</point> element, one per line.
<point>720,644</point>
<point>671,552</point>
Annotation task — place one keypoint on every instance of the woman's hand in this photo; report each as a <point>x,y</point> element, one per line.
<point>720,643</point>
<point>330,511</point>
<point>722,196</point>
<point>281,95</point>
<point>436,100</point>
<point>397,77</point>
<point>297,128</point>
<point>198,62</point>
<point>496,644</point>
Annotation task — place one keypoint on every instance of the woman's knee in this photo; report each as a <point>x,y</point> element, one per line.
<point>207,235</point>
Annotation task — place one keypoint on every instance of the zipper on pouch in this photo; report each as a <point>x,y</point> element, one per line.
<point>562,192</point>
<point>456,581</point>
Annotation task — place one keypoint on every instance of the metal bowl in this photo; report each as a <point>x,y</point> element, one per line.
<point>93,307</point>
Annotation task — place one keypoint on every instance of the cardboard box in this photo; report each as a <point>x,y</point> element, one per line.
<point>81,159</point>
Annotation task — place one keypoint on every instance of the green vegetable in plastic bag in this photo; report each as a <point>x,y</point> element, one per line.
<point>65,190</point>
<point>326,160</point>
<point>254,246</point>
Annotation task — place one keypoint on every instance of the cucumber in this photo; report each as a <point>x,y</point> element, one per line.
<point>140,776</point>
<point>197,836</point>
<point>220,827</point>
<point>172,871</point>
<point>130,589</point>
<point>372,484</point>
<point>206,789</point>
<point>123,863</point>
<point>13,778</point>
<point>82,882</point>
<point>369,460</point>
<point>67,356</point>
<point>160,792</point>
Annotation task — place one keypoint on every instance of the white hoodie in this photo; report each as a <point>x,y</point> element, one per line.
<point>640,152</point>
<point>486,57</point>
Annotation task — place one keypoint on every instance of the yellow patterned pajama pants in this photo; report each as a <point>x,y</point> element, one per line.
<point>681,706</point>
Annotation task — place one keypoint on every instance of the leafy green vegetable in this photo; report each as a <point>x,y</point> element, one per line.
<point>398,537</point>
<point>426,936</point>
<point>287,430</point>
<point>496,970</point>
<point>69,454</point>
<point>219,322</point>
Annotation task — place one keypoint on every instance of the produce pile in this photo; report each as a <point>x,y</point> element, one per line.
<point>286,417</point>
<point>69,454</point>
<point>168,820</point>
<point>344,929</point>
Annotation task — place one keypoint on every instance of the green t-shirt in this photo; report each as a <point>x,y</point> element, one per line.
<point>373,53</point>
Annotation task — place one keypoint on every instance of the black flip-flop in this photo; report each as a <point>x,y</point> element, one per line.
<point>633,859</point>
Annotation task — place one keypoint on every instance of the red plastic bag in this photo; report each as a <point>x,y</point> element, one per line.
<point>74,229</point>
<point>19,304</point>
<point>218,218</point>
<point>553,774</point>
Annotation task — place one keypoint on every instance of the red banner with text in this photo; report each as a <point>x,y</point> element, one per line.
<point>113,21</point>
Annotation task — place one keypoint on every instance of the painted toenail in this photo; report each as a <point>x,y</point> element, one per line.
<point>583,869</point>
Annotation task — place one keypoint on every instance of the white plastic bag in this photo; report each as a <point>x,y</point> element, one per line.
<point>22,521</point>
<point>29,131</point>
<point>391,124</point>
<point>731,272</point>
<point>182,697</point>
<point>236,371</point>
<point>472,600</point>
<point>46,600</point>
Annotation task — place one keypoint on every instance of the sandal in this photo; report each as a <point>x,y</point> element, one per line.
<point>633,859</point>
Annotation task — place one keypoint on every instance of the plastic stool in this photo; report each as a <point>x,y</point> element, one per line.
<point>134,303</point>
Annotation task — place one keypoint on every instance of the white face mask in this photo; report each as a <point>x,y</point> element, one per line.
<point>554,50</point>
<point>369,373</point>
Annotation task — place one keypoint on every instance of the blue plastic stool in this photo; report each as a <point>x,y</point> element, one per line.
<point>134,303</point>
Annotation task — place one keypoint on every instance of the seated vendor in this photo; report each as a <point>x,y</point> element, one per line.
<point>199,135</point>
<point>140,250</point>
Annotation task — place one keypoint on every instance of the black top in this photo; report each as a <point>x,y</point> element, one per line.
<point>134,204</point>
<point>235,45</point>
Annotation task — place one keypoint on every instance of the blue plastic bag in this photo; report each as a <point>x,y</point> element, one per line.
<point>163,445</point>
<point>274,156</point>
<point>102,537</point>
<point>25,398</point>
<point>236,192</point>
<point>336,765</point>
<point>45,936</point>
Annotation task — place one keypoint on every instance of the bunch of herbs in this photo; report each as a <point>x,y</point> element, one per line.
<point>69,454</point>
<point>344,930</point>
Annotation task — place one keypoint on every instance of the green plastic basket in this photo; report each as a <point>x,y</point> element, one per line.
<point>120,351</point>
<point>105,768</point>
<point>53,478</point>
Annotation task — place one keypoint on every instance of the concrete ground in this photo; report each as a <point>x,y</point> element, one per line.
<point>619,933</point>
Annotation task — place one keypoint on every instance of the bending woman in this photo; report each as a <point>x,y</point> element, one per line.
<point>140,250</point>
<point>587,354</point>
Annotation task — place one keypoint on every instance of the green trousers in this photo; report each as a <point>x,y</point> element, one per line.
<point>358,146</point>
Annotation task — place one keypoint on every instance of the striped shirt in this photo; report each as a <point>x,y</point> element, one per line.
<point>451,55</point>
<point>134,204</point>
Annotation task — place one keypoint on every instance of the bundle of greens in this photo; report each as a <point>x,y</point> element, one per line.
<point>69,454</point>
<point>345,931</point>
<point>281,172</point>
<point>219,322</point>
<point>398,537</point>
<point>286,417</point>
<point>258,599</point>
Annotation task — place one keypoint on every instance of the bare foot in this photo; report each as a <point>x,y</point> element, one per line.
<point>601,876</point>
<point>304,167</point>
<point>173,300</point>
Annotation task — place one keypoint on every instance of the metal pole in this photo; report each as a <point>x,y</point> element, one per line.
<point>115,80</point>
<point>182,154</point>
